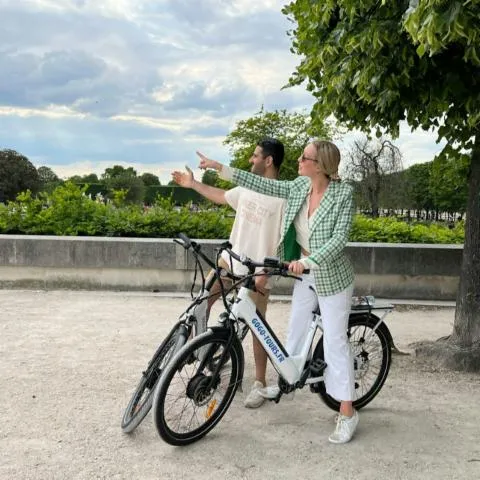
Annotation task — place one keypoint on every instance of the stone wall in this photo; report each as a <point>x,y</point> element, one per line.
<point>412,271</point>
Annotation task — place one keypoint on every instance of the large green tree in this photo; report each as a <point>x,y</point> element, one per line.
<point>293,129</point>
<point>210,177</point>
<point>374,63</point>
<point>17,174</point>
<point>438,186</point>
<point>47,175</point>
<point>89,178</point>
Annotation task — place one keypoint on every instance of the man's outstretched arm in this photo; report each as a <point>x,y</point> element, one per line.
<point>186,180</point>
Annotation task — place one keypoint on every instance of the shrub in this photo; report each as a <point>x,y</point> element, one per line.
<point>68,210</point>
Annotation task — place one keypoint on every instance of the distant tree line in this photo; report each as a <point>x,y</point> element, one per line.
<point>423,191</point>
<point>373,166</point>
<point>117,183</point>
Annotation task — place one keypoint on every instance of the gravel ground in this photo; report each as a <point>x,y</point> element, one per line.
<point>69,361</point>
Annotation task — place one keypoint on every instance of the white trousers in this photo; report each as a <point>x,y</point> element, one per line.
<point>335,309</point>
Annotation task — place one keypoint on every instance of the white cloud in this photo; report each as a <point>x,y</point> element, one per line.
<point>51,111</point>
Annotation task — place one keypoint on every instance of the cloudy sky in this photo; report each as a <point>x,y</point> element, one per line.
<point>85,84</point>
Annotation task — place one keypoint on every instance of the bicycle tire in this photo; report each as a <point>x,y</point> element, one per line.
<point>190,375</point>
<point>362,357</point>
<point>141,401</point>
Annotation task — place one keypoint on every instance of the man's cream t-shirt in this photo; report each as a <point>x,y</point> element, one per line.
<point>257,226</point>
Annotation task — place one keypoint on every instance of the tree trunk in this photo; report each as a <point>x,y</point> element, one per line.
<point>461,351</point>
<point>466,328</point>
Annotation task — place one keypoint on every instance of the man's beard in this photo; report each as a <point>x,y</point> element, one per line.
<point>258,170</point>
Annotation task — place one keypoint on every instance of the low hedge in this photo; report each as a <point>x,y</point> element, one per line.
<point>69,211</point>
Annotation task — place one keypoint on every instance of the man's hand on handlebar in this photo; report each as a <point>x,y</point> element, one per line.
<point>260,283</point>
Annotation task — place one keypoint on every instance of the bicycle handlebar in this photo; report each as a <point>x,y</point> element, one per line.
<point>268,262</point>
<point>185,241</point>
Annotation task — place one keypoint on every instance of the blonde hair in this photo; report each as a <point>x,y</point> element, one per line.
<point>328,158</point>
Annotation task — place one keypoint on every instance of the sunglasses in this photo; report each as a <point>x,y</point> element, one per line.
<point>303,158</point>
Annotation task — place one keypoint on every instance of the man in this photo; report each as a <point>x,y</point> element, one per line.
<point>255,233</point>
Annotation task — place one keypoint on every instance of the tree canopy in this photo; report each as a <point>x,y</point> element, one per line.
<point>47,175</point>
<point>17,174</point>
<point>375,63</point>
<point>293,129</point>
<point>149,179</point>
<point>210,177</point>
<point>118,171</point>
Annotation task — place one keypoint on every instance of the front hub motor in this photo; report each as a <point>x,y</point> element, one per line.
<point>199,389</point>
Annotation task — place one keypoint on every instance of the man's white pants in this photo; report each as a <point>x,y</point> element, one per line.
<point>335,309</point>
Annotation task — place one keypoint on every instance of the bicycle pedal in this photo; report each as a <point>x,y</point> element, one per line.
<point>317,367</point>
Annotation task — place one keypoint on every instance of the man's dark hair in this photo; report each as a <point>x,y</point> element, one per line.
<point>274,148</point>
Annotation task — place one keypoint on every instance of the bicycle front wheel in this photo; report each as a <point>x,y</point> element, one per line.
<point>190,398</point>
<point>141,400</point>
<point>372,357</point>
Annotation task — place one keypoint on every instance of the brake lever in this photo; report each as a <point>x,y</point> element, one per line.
<point>176,240</point>
<point>286,273</point>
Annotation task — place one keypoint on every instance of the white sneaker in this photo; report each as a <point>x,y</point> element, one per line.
<point>345,428</point>
<point>254,399</point>
<point>271,392</point>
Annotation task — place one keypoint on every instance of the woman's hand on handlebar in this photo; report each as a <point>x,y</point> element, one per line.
<point>297,268</point>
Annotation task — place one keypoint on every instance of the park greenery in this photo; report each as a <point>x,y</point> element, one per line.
<point>68,210</point>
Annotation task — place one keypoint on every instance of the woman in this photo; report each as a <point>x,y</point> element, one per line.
<point>315,230</point>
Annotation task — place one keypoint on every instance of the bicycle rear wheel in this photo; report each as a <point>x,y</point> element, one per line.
<point>141,400</point>
<point>190,399</point>
<point>372,356</point>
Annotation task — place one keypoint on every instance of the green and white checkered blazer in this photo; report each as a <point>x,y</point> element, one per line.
<point>329,229</point>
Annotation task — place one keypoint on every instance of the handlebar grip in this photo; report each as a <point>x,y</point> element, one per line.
<point>187,242</point>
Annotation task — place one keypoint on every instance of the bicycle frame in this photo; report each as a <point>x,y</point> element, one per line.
<point>289,367</point>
